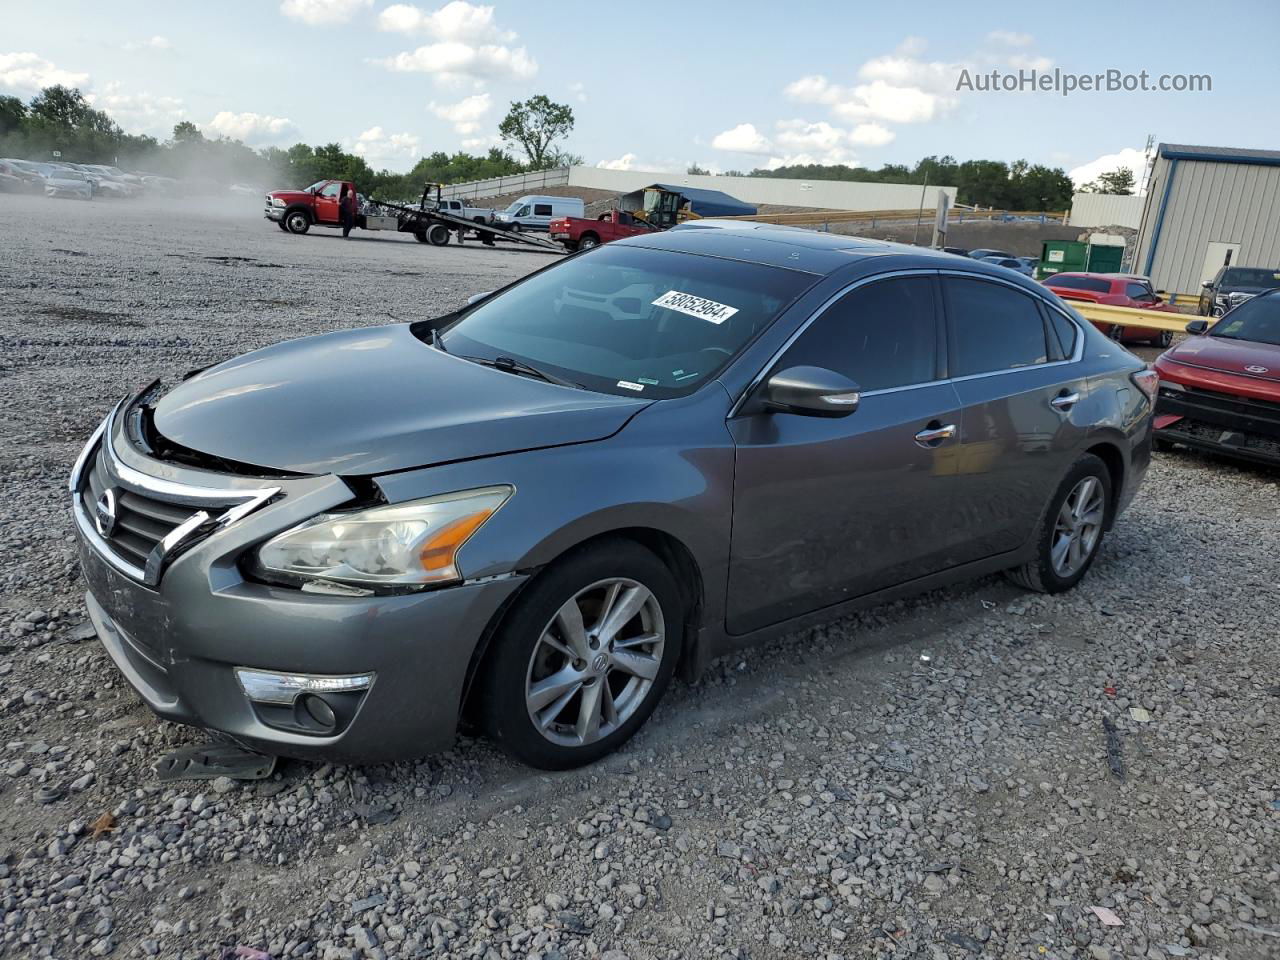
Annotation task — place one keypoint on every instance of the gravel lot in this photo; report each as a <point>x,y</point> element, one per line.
<point>929,779</point>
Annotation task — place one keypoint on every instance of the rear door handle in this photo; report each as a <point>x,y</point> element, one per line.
<point>932,436</point>
<point>1065,401</point>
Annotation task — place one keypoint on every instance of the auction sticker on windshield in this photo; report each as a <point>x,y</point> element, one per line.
<point>695,306</point>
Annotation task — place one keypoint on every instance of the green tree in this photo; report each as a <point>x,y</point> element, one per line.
<point>1118,181</point>
<point>695,170</point>
<point>187,132</point>
<point>12,113</point>
<point>535,125</point>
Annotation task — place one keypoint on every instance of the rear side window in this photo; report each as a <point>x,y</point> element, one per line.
<point>1064,330</point>
<point>1137,291</point>
<point>880,336</point>
<point>542,209</point>
<point>992,328</point>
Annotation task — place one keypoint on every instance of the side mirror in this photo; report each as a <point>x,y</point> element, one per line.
<point>811,392</point>
<point>1196,327</point>
<point>1206,284</point>
<point>477,297</point>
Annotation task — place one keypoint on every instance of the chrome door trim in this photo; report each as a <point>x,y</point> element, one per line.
<point>1076,355</point>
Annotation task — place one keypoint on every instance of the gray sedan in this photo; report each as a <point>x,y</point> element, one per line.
<point>526,516</point>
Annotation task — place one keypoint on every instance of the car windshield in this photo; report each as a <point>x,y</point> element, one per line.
<point>1250,277</point>
<point>1257,320</point>
<point>629,321</point>
<point>316,186</point>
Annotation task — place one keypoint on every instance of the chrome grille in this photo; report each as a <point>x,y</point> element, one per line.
<point>141,522</point>
<point>137,522</point>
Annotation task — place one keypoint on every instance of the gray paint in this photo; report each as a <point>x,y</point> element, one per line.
<point>1231,197</point>
<point>787,519</point>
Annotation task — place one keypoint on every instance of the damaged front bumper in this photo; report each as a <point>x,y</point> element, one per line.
<point>280,670</point>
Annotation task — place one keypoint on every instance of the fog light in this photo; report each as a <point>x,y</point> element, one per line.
<point>319,711</point>
<point>262,686</point>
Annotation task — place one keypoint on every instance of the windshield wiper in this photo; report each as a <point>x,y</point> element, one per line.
<point>519,367</point>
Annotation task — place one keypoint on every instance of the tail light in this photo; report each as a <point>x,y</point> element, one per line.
<point>1148,381</point>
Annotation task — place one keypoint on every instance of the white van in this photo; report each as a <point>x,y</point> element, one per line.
<point>535,213</point>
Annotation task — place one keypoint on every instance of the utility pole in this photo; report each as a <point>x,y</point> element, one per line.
<point>920,213</point>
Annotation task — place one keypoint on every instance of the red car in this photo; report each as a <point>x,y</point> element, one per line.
<point>1114,290</point>
<point>578,233</point>
<point>1220,388</point>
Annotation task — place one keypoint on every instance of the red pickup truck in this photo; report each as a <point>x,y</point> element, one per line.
<point>577,233</point>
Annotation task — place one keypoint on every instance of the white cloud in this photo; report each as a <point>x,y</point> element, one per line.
<point>465,114</point>
<point>144,112</point>
<point>894,94</point>
<point>381,148</point>
<point>457,20</point>
<point>451,61</point>
<point>253,128</point>
<point>28,72</point>
<point>1010,38</point>
<point>744,138</point>
<point>1130,157</point>
<point>151,43</point>
<point>320,13</point>
<point>802,141</point>
<point>468,44</point>
<point>579,92</point>
<point>625,162</point>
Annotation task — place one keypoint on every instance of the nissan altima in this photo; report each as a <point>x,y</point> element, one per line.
<point>527,515</point>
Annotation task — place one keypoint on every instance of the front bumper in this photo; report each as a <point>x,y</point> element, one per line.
<point>274,214</point>
<point>1235,426</point>
<point>179,642</point>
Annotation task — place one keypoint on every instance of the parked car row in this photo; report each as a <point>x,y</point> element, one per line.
<point>83,181</point>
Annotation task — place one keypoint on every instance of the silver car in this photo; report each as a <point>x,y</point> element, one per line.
<point>527,515</point>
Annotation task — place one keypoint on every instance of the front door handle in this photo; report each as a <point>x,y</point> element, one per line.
<point>1065,401</point>
<point>932,436</point>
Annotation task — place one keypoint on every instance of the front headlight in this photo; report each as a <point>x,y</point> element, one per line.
<point>407,544</point>
<point>277,202</point>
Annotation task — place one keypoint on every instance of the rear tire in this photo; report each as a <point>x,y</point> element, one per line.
<point>438,235</point>
<point>297,222</point>
<point>420,236</point>
<point>1163,340</point>
<point>589,695</point>
<point>1085,494</point>
<point>587,241</point>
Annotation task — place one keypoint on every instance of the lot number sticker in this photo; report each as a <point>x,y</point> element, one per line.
<point>695,306</point>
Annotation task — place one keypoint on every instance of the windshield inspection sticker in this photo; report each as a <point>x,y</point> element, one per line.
<point>628,385</point>
<point>695,306</point>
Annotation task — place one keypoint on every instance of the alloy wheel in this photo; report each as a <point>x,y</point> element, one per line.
<point>1078,528</point>
<point>595,662</point>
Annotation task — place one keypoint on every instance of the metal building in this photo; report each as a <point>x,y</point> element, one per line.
<point>1206,207</point>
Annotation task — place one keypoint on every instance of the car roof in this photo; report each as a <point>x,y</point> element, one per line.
<point>791,248</point>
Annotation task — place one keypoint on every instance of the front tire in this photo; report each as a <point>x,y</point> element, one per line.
<point>583,657</point>
<point>1071,531</point>
<point>297,222</point>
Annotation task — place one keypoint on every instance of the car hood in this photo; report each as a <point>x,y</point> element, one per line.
<point>371,401</point>
<point>288,196</point>
<point>1230,356</point>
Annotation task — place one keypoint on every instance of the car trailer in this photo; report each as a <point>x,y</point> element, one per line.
<point>429,224</point>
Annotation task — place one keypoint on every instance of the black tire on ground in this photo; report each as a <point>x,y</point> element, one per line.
<point>587,241</point>
<point>280,224</point>
<point>420,236</point>
<point>1116,332</point>
<point>515,228</point>
<point>1161,445</point>
<point>504,676</point>
<point>438,234</point>
<point>297,221</point>
<point>1162,339</point>
<point>1039,573</point>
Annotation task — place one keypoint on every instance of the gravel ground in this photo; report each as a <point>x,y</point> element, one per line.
<point>928,779</point>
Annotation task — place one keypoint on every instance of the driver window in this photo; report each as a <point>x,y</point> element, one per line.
<point>332,190</point>
<point>880,336</point>
<point>523,211</point>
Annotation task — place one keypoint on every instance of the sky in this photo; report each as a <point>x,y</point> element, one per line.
<point>660,85</point>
